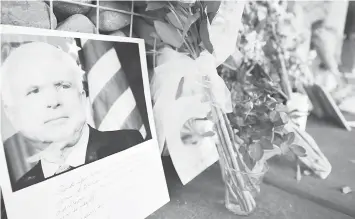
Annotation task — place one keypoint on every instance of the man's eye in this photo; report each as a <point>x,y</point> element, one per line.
<point>33,91</point>
<point>64,85</point>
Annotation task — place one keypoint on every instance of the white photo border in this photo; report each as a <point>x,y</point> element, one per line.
<point>5,181</point>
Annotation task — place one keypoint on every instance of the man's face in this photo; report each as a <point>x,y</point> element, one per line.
<point>47,104</point>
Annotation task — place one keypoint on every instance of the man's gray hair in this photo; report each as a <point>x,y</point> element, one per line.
<point>34,51</point>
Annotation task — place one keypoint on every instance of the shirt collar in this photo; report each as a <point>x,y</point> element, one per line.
<point>75,158</point>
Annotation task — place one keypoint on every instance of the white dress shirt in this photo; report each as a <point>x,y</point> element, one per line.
<point>76,157</point>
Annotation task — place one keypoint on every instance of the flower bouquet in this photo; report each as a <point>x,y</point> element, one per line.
<point>242,157</point>
<point>262,123</point>
<point>284,32</point>
<point>250,135</point>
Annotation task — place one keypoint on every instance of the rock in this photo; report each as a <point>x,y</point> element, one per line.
<point>118,33</point>
<point>126,31</point>
<point>27,13</point>
<point>66,9</point>
<point>77,23</point>
<point>346,190</point>
<point>111,20</point>
<point>123,32</point>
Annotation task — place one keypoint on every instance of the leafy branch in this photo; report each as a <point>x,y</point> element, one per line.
<point>183,26</point>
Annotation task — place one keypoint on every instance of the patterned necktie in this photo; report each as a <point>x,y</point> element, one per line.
<point>63,168</point>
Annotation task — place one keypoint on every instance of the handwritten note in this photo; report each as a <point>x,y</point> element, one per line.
<point>71,201</point>
<point>89,196</point>
<point>110,188</point>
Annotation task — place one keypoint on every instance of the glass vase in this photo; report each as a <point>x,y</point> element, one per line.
<point>241,189</point>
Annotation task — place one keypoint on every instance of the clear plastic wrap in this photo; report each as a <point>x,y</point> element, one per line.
<point>241,185</point>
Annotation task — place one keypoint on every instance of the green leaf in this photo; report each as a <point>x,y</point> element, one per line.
<point>298,150</point>
<point>251,120</point>
<point>190,20</point>
<point>239,121</point>
<point>158,14</point>
<point>249,162</point>
<point>246,139</point>
<point>290,138</point>
<point>212,6</point>
<point>267,133</point>
<point>205,35</point>
<point>266,143</point>
<point>284,148</point>
<point>242,151</point>
<point>184,4</point>
<point>180,88</point>
<point>272,105</point>
<point>168,34</point>
<point>261,109</point>
<point>248,106</point>
<point>271,153</point>
<point>255,136</point>
<point>155,5</point>
<point>278,118</point>
<point>175,20</point>
<point>281,108</point>
<point>284,117</point>
<point>144,30</point>
<point>278,139</point>
<point>208,134</point>
<point>195,37</point>
<point>280,130</point>
<point>274,116</point>
<point>256,152</point>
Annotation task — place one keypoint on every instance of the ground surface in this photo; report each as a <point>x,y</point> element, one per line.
<point>282,197</point>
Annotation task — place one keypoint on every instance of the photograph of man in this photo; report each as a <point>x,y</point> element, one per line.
<point>43,97</point>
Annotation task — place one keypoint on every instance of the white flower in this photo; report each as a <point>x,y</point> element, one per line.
<point>251,37</point>
<point>262,13</point>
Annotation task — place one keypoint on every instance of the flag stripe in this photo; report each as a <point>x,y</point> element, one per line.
<point>118,112</point>
<point>113,103</point>
<point>134,120</point>
<point>143,131</point>
<point>114,88</point>
<point>93,50</point>
<point>83,42</point>
<point>101,73</point>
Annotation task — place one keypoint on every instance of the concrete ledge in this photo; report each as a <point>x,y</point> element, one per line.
<point>338,145</point>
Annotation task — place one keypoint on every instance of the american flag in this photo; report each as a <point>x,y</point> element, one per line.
<point>113,105</point>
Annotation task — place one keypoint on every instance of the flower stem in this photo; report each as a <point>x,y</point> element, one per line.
<point>235,180</point>
<point>190,48</point>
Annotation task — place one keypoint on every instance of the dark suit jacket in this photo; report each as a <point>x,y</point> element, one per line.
<point>100,145</point>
